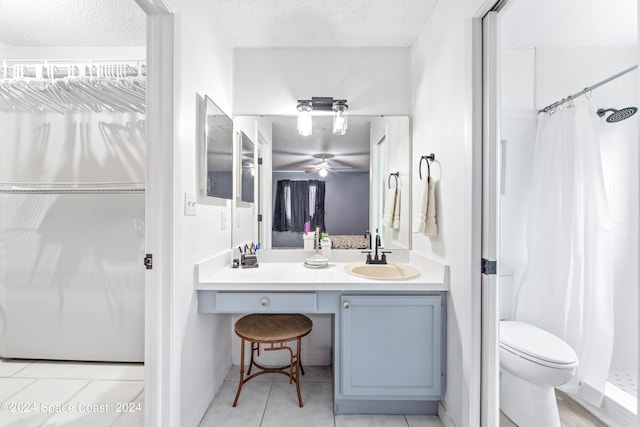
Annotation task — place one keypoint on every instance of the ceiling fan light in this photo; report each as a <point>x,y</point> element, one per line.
<point>322,172</point>
<point>340,117</point>
<point>305,126</point>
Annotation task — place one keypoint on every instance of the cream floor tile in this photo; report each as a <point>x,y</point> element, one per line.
<point>45,396</point>
<point>370,421</point>
<point>98,404</point>
<point>234,375</point>
<point>11,386</point>
<point>248,412</point>
<point>132,418</point>
<point>10,367</point>
<point>312,374</point>
<point>83,370</point>
<point>283,410</point>
<point>506,421</point>
<point>423,421</point>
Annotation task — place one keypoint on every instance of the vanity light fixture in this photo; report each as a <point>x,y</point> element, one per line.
<point>337,107</point>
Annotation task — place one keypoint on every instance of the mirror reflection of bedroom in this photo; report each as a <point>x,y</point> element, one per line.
<point>321,180</point>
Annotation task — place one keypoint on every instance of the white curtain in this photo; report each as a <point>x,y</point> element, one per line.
<point>567,285</point>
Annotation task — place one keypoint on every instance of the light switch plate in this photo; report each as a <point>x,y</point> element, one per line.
<point>223,220</point>
<point>190,204</point>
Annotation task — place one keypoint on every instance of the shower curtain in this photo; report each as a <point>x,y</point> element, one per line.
<point>567,284</point>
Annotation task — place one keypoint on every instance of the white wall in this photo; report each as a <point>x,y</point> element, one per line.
<point>442,124</point>
<point>200,343</point>
<point>518,132</point>
<point>373,80</point>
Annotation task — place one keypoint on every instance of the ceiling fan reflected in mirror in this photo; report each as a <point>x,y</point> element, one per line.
<point>324,167</point>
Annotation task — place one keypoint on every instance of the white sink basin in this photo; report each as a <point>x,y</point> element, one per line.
<point>382,271</point>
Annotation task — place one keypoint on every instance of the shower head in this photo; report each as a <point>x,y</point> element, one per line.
<point>617,115</point>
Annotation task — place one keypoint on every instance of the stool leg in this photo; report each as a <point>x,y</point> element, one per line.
<point>252,350</point>
<point>300,355</point>
<point>235,402</point>
<point>298,367</point>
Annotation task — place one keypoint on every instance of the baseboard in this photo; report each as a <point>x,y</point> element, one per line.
<point>444,416</point>
<point>346,406</point>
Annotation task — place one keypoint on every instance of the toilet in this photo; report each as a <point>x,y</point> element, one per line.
<point>532,362</point>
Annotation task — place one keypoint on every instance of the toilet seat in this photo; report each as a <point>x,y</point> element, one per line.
<point>536,345</point>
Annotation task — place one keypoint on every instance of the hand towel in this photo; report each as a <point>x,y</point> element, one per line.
<point>431,228</point>
<point>420,215</point>
<point>396,211</point>
<point>389,205</point>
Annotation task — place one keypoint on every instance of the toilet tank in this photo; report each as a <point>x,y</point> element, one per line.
<point>506,290</point>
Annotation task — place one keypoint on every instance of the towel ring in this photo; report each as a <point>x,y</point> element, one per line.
<point>395,175</point>
<point>430,158</point>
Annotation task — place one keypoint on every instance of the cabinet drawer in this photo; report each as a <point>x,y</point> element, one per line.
<point>268,302</point>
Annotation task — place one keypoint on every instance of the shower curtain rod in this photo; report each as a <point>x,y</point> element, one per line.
<point>585,90</point>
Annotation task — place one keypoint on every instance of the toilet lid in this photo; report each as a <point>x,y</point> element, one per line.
<point>535,343</point>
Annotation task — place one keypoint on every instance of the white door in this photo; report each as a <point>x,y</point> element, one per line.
<point>490,401</point>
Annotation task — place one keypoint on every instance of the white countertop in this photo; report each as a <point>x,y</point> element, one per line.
<point>294,276</point>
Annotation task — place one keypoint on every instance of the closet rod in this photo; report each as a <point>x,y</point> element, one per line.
<point>585,90</point>
<point>58,69</point>
<point>71,188</point>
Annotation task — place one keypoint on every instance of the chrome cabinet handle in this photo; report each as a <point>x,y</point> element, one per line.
<point>346,304</point>
<point>264,302</point>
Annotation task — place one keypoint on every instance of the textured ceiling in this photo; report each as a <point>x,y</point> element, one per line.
<point>322,23</point>
<point>72,23</point>
<point>292,151</point>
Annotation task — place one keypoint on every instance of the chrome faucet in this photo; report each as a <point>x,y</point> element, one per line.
<point>377,260</point>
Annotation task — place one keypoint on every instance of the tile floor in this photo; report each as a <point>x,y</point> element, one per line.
<point>571,414</point>
<point>53,393</point>
<point>270,400</point>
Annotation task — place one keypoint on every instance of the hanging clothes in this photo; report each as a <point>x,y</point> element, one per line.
<point>567,284</point>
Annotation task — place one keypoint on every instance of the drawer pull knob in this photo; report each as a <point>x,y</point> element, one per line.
<point>346,304</point>
<point>265,302</point>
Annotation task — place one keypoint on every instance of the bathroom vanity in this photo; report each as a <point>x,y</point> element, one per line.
<point>389,336</point>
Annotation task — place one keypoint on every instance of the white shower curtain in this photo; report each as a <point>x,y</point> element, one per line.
<point>567,285</point>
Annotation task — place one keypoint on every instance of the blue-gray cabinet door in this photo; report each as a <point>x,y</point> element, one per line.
<point>391,346</point>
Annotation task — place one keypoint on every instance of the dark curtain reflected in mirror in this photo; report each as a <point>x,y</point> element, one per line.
<point>298,202</point>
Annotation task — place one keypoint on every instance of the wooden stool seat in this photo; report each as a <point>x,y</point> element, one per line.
<point>273,330</point>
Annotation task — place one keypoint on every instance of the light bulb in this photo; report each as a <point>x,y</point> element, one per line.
<point>340,118</point>
<point>305,127</point>
<point>322,172</point>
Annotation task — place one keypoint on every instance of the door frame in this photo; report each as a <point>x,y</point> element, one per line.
<point>485,199</point>
<point>158,364</point>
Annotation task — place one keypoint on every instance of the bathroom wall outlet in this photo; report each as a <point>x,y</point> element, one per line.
<point>237,219</point>
<point>190,204</point>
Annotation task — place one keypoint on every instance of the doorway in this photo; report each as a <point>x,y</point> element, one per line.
<point>527,76</point>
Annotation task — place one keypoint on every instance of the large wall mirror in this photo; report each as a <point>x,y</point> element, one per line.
<point>217,159</point>
<point>337,182</point>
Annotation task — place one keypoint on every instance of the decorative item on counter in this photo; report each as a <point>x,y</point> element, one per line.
<point>317,260</point>
<point>249,261</point>
<point>308,242</point>
<point>236,257</point>
<point>326,245</point>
